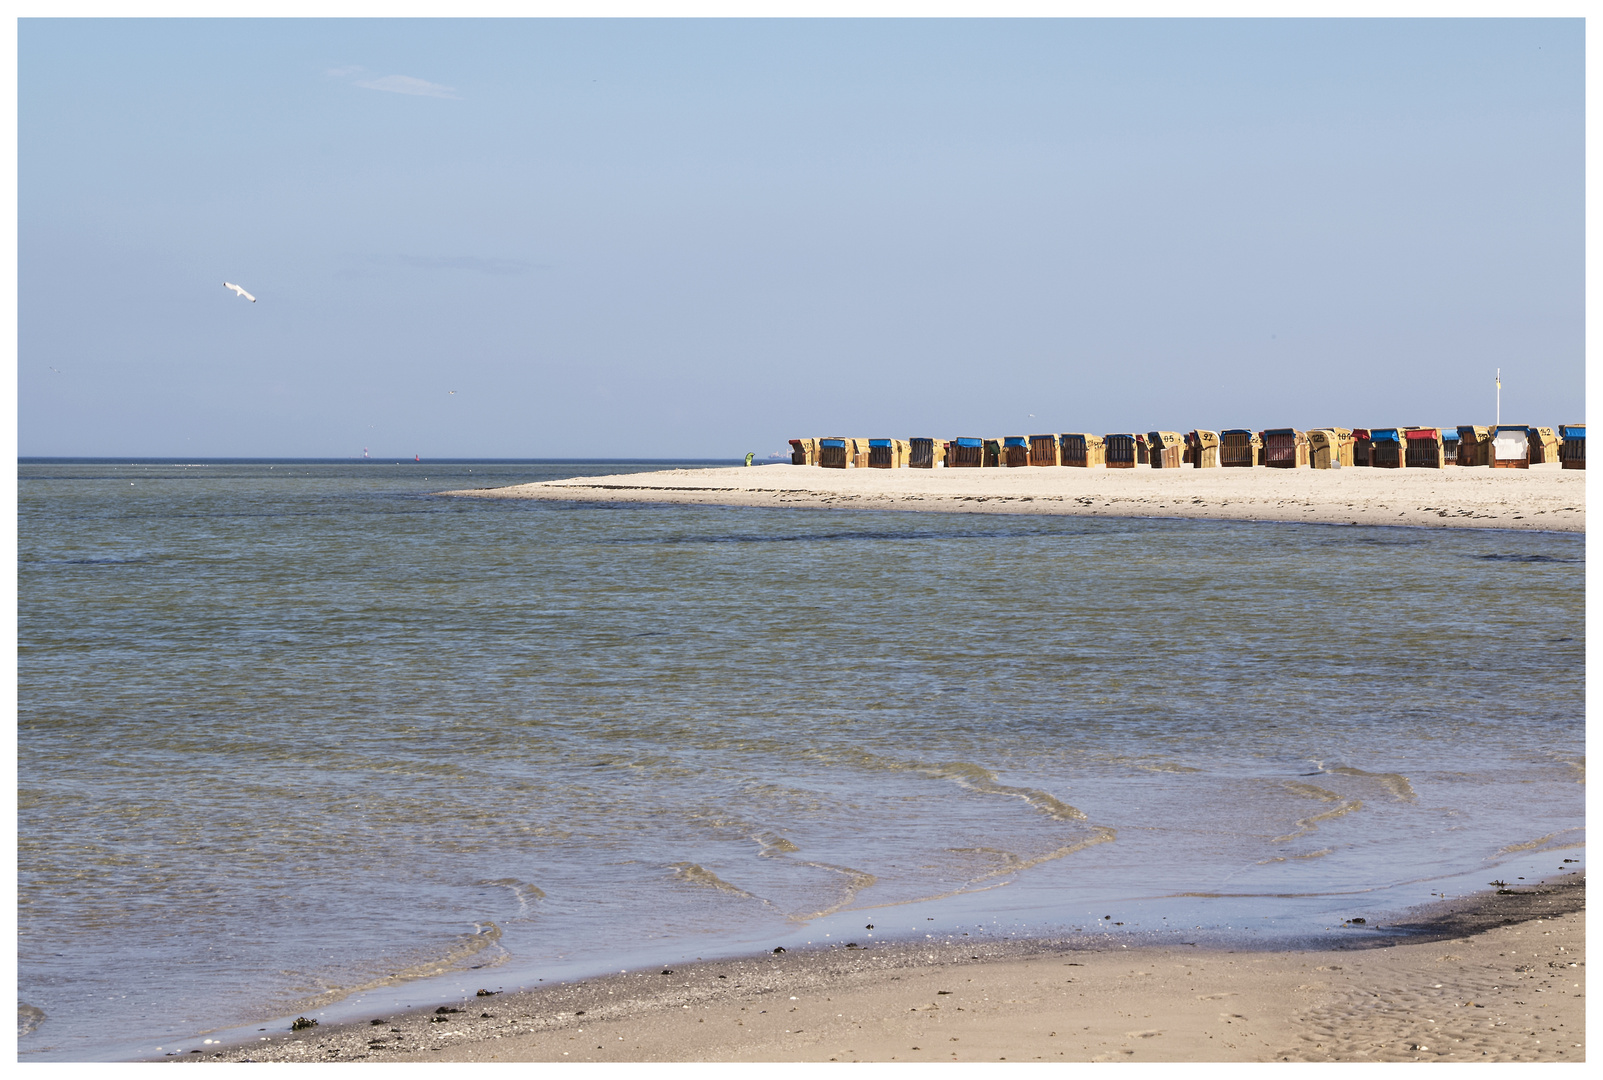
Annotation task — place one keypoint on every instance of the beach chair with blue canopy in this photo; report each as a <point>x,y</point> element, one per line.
<point>1044,450</point>
<point>967,453</point>
<point>1386,449</point>
<point>1449,445</point>
<point>1082,450</point>
<point>1121,450</point>
<point>833,453</point>
<point>1240,448</point>
<point>925,453</point>
<point>1474,445</point>
<point>1285,448</point>
<point>1572,448</point>
<point>887,453</point>
<point>1015,452</point>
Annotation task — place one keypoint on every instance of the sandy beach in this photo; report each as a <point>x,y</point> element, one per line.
<point>1497,976</point>
<point>1542,497</point>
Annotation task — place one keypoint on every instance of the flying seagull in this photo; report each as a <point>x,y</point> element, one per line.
<point>240,291</point>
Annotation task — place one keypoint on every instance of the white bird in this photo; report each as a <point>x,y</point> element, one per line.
<point>240,291</point>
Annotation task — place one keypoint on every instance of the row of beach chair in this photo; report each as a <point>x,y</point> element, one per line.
<point>1504,446</point>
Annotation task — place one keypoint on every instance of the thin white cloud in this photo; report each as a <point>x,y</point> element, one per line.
<point>405,84</point>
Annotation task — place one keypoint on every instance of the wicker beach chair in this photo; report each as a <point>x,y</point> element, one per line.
<point>1474,445</point>
<point>1424,448</point>
<point>1511,446</point>
<point>1240,448</point>
<point>834,453</point>
<point>1572,449</point>
<point>1544,445</point>
<point>1386,449</point>
<point>1166,449</point>
<point>1330,448</point>
<point>1203,449</point>
<point>1120,449</point>
<point>967,453</point>
<point>1082,450</point>
<point>1285,448</point>
<point>1361,446</point>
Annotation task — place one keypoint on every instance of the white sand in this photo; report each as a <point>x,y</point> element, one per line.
<point>1542,497</point>
<point>1508,995</point>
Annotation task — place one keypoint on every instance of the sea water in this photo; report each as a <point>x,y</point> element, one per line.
<point>307,737</point>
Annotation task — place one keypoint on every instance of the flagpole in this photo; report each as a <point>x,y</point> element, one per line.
<point>1499,399</point>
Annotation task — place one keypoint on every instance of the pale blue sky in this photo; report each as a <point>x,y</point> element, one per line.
<point>620,238</point>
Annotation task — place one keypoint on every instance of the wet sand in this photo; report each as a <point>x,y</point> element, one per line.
<point>1542,497</point>
<point>1498,976</point>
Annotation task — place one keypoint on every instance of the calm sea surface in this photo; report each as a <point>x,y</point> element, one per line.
<point>302,737</point>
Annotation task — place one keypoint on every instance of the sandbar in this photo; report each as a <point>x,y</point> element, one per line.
<point>1544,497</point>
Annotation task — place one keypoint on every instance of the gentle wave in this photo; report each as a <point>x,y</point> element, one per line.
<point>773,846</point>
<point>1551,841</point>
<point>856,882</point>
<point>1310,824</point>
<point>973,778</point>
<point>695,874</point>
<point>455,957</point>
<point>523,892</point>
<point>1100,834</point>
<point>1321,853</point>
<point>1395,783</point>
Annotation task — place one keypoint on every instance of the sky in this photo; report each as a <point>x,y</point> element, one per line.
<point>699,238</point>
